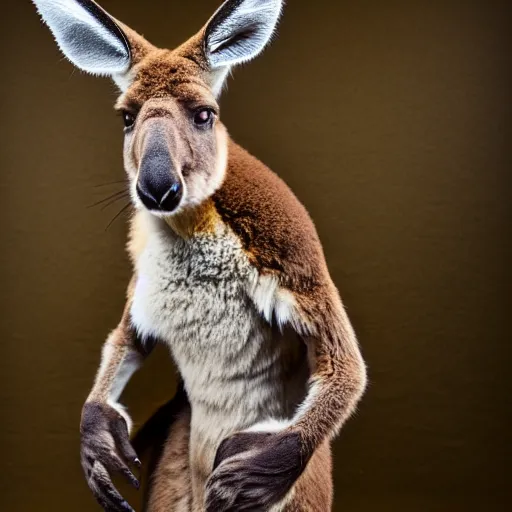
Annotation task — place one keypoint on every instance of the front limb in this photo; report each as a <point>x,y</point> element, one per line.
<point>105,425</point>
<point>255,469</point>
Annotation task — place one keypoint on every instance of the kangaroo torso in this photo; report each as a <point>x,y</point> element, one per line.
<point>196,292</point>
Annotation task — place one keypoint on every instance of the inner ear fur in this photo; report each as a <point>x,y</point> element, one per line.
<point>92,39</point>
<point>239,30</point>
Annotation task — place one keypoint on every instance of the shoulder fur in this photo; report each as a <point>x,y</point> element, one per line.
<point>275,230</point>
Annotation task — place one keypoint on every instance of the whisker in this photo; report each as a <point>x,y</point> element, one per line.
<point>118,213</point>
<point>119,193</point>
<point>110,183</point>
<point>114,200</point>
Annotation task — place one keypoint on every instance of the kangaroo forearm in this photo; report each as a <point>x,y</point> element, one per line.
<point>338,372</point>
<point>118,363</point>
<point>122,355</point>
<point>335,388</point>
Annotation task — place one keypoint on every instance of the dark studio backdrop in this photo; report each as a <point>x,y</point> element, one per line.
<point>391,122</point>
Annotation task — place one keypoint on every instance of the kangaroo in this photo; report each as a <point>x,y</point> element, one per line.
<point>228,272</point>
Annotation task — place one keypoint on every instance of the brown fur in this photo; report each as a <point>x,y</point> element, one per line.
<point>274,227</point>
<point>199,219</point>
<point>171,485</point>
<point>313,490</point>
<point>139,47</point>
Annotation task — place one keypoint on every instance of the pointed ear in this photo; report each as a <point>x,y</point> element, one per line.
<point>239,31</point>
<point>89,37</point>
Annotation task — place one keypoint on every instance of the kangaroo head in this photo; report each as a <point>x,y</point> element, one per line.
<point>175,148</point>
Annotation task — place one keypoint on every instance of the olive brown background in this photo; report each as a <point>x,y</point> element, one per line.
<point>391,122</point>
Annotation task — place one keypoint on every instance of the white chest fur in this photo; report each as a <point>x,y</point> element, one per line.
<point>193,295</point>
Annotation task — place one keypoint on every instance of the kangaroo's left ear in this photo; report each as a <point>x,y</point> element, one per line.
<point>239,31</point>
<point>91,39</point>
<point>87,35</point>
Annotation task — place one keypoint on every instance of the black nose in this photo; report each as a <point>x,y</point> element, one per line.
<point>156,200</point>
<point>158,186</point>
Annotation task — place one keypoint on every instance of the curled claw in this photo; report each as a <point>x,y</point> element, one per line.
<point>104,491</point>
<point>114,463</point>
<point>106,448</point>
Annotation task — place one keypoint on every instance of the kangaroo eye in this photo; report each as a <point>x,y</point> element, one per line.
<point>128,119</point>
<point>203,117</point>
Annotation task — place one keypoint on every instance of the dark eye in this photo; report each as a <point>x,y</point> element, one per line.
<point>203,117</point>
<point>128,119</point>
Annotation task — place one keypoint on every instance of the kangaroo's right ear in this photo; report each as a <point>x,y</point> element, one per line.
<point>90,38</point>
<point>239,31</point>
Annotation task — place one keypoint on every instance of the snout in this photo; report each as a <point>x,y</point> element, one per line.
<point>159,185</point>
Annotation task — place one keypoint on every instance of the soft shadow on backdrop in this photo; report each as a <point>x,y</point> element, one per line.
<point>391,122</point>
